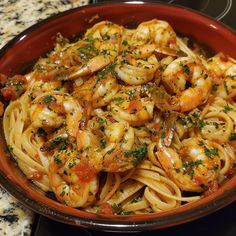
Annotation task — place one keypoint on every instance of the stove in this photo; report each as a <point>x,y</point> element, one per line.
<point>220,223</point>
<point>220,10</point>
<point>223,11</point>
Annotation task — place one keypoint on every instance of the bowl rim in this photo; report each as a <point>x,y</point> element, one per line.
<point>223,197</point>
<point>33,27</point>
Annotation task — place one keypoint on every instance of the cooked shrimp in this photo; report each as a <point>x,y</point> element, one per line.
<point>109,145</point>
<point>176,77</point>
<point>107,37</point>
<point>227,89</point>
<point>194,166</point>
<point>52,110</point>
<point>138,71</point>
<point>224,68</point>
<point>38,87</point>
<point>100,46</point>
<point>73,181</point>
<point>93,65</point>
<point>128,105</point>
<point>155,31</point>
<point>221,65</point>
<point>98,90</point>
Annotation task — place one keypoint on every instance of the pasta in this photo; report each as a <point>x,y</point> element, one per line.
<point>124,121</point>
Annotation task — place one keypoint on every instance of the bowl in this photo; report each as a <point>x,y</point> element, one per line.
<point>21,52</point>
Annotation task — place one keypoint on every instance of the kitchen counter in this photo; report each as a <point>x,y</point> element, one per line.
<point>16,16</point>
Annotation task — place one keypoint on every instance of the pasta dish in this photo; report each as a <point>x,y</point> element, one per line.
<point>124,121</point>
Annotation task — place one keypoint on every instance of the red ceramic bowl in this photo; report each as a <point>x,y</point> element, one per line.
<point>19,54</point>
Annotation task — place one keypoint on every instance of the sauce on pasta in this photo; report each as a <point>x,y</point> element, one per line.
<point>124,121</point>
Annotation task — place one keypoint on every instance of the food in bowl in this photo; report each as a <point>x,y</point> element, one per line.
<point>124,121</point>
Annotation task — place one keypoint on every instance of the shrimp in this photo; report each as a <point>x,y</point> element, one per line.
<point>38,87</point>
<point>155,31</point>
<point>194,166</point>
<point>99,47</point>
<point>128,105</point>
<point>73,181</point>
<point>98,90</point>
<point>176,77</point>
<point>54,71</point>
<point>227,89</point>
<point>52,110</point>
<point>93,65</point>
<point>110,146</point>
<point>221,65</point>
<point>224,69</point>
<point>107,37</point>
<point>137,72</point>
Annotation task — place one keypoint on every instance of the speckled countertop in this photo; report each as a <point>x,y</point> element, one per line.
<point>15,16</point>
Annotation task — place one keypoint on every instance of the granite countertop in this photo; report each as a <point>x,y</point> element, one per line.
<point>16,16</point>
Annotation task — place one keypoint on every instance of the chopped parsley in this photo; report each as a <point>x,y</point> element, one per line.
<point>185,68</point>
<point>62,193</point>
<point>103,142</point>
<point>48,99</point>
<point>161,68</point>
<point>115,207</point>
<point>101,123</point>
<point>232,136</point>
<point>201,143</point>
<point>106,37</point>
<point>72,164</point>
<point>18,86</point>
<point>227,108</point>
<point>58,142</point>
<point>188,167</point>
<point>163,135</point>
<point>58,88</point>
<point>138,154</point>
<point>117,100</point>
<point>39,68</point>
<point>103,73</point>
<point>57,160</point>
<point>214,87</point>
<point>193,121</point>
<point>88,47</point>
<point>118,209</point>
<point>89,40</point>
<point>191,173</point>
<point>226,87</point>
<point>211,152</point>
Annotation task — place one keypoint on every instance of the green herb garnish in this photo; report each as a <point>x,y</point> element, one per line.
<point>232,136</point>
<point>211,152</point>
<point>138,154</point>
<point>110,68</point>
